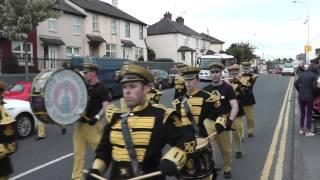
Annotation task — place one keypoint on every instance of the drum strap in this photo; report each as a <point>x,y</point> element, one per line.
<point>129,145</point>
<point>190,116</point>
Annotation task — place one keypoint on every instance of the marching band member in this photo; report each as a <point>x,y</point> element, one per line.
<point>237,123</point>
<point>87,130</point>
<point>7,138</point>
<point>196,105</point>
<point>248,99</point>
<point>228,109</point>
<point>179,87</point>
<point>132,141</point>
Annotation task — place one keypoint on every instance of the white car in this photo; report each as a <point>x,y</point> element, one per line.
<point>288,69</point>
<point>205,75</point>
<point>21,111</point>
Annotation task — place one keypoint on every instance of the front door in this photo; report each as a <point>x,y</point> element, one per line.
<point>52,57</point>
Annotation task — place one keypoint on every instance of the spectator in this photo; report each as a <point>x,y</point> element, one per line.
<point>305,85</point>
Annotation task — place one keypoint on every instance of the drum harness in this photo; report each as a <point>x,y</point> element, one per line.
<point>189,115</point>
<point>129,145</point>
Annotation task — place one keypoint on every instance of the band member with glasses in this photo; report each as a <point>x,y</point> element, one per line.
<point>132,141</point>
<point>227,109</point>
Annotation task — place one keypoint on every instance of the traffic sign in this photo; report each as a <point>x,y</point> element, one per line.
<point>307,48</point>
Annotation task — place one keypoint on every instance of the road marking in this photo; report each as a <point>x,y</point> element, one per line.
<point>269,160</point>
<point>41,166</point>
<point>283,141</point>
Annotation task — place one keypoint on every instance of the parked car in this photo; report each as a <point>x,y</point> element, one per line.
<point>21,111</point>
<point>161,78</point>
<point>21,91</point>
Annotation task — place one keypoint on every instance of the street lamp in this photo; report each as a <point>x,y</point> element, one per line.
<point>308,34</point>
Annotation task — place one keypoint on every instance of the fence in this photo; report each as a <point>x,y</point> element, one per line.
<point>16,65</point>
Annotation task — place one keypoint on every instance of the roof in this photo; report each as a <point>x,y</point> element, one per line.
<point>95,38</point>
<point>166,26</point>
<point>185,48</point>
<point>52,40</point>
<point>104,8</point>
<point>127,43</point>
<point>211,39</point>
<point>67,8</point>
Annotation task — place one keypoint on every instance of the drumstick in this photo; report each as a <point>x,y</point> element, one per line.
<point>206,139</point>
<point>94,175</point>
<point>157,173</point>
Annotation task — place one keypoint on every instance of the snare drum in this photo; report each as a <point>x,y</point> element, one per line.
<point>59,96</point>
<point>200,163</point>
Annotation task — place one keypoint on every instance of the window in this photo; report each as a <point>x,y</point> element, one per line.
<point>139,52</point>
<point>52,24</point>
<point>95,23</point>
<point>73,51</point>
<point>76,25</point>
<point>140,31</point>
<point>127,29</point>
<point>197,43</point>
<point>18,52</point>
<point>183,56</point>
<point>111,50</point>
<point>125,53</point>
<point>113,26</point>
<point>186,41</point>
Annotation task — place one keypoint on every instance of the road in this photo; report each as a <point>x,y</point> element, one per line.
<point>268,155</point>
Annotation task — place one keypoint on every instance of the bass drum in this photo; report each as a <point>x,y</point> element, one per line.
<point>59,96</point>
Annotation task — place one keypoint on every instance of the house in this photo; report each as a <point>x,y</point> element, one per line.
<point>110,32</point>
<point>60,39</point>
<point>210,45</point>
<point>182,44</point>
<point>12,54</point>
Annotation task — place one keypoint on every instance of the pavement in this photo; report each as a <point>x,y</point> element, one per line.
<point>306,152</point>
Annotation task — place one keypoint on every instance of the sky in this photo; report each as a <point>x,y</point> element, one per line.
<point>277,28</point>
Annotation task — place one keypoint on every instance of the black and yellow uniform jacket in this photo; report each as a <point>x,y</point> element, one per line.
<point>249,79</point>
<point>201,105</point>
<point>7,141</point>
<point>152,126</point>
<point>179,87</point>
<point>239,89</point>
<point>153,96</point>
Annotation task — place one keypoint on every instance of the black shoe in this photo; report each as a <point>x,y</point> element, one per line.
<point>63,131</point>
<point>39,138</point>
<point>227,175</point>
<point>238,155</point>
<point>250,135</point>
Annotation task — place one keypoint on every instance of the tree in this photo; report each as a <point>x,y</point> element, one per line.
<point>243,52</point>
<point>19,17</point>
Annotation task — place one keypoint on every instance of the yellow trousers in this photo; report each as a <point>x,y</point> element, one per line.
<point>250,119</point>
<point>237,133</point>
<point>42,129</point>
<point>84,135</point>
<point>224,142</point>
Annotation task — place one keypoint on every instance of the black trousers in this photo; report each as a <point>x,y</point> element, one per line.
<point>5,166</point>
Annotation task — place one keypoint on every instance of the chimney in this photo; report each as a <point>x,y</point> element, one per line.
<point>167,15</point>
<point>115,3</point>
<point>180,20</point>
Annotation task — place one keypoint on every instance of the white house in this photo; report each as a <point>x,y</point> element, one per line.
<point>59,39</point>
<point>174,40</point>
<point>110,32</point>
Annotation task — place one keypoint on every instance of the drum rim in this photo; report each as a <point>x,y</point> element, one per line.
<point>45,85</point>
